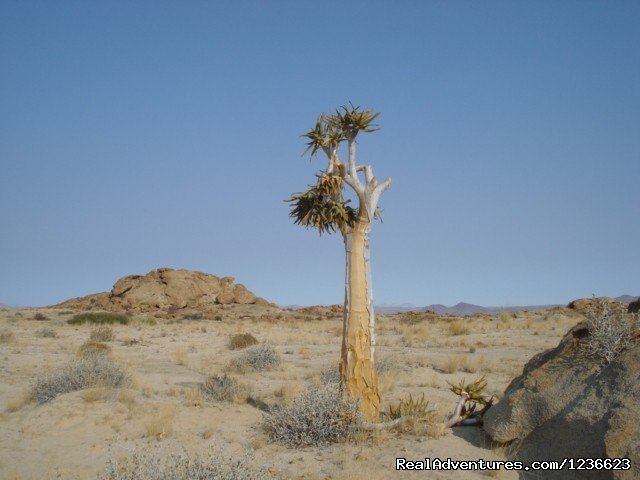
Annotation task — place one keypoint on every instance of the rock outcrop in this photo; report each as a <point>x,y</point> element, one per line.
<point>169,292</point>
<point>566,405</point>
<point>583,305</point>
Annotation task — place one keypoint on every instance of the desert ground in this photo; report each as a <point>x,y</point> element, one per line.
<point>162,407</point>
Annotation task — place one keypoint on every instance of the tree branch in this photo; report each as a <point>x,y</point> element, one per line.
<point>374,196</point>
<point>352,160</point>
<point>356,185</point>
<point>368,172</point>
<point>456,416</point>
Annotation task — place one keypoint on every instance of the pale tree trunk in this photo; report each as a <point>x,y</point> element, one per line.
<point>357,365</point>
<point>358,375</point>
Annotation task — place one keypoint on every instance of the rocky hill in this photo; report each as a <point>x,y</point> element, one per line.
<point>168,292</point>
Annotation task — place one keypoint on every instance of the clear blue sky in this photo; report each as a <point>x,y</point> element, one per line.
<point>135,135</point>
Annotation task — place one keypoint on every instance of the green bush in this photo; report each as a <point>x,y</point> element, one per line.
<point>98,318</point>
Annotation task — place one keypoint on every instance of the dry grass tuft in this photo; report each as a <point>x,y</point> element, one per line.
<point>6,336</point>
<point>223,388</point>
<point>242,340</point>
<point>97,393</point>
<point>46,333</point>
<point>102,333</point>
<point>90,349</point>
<point>450,365</point>
<point>288,390</point>
<point>180,356</point>
<point>457,327</point>
<point>16,404</point>
<point>160,423</point>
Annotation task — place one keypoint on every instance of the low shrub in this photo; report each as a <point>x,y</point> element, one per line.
<point>330,374</point>
<point>257,358</point>
<point>242,340</point>
<point>412,318</point>
<point>451,364</point>
<point>321,415</point>
<point>193,316</point>
<point>146,320</point>
<point>223,388</point>
<point>98,318</point>
<point>78,374</point>
<point>41,317</point>
<point>102,333</point>
<point>6,336</point>
<point>46,333</point>
<point>458,327</point>
<point>148,465</point>
<point>611,329</point>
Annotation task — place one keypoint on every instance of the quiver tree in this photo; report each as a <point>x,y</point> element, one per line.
<point>324,207</point>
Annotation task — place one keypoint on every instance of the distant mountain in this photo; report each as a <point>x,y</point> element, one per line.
<point>626,298</point>
<point>462,308</point>
<point>393,308</point>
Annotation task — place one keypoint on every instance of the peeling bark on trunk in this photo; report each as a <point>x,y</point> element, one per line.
<point>357,366</point>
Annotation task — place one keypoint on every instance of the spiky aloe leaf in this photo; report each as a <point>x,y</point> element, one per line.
<point>351,120</point>
<point>418,409</point>
<point>317,136</point>
<point>322,206</point>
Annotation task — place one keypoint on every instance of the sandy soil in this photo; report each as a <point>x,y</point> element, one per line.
<point>73,435</point>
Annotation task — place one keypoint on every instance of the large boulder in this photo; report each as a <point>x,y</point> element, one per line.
<point>168,291</point>
<point>568,405</point>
